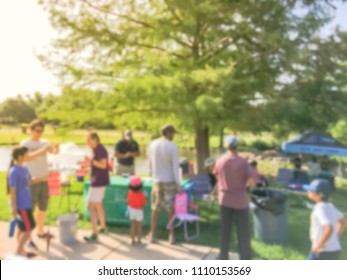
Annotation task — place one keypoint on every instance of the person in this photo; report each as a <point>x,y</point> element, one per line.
<point>327,223</point>
<point>19,190</point>
<point>37,163</point>
<point>233,173</point>
<point>325,164</point>
<point>209,166</point>
<point>313,168</point>
<point>125,152</point>
<point>100,179</point>
<point>164,169</point>
<point>136,202</point>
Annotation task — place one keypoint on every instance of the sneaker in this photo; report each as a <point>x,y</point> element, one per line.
<point>103,231</point>
<point>91,238</point>
<point>32,245</point>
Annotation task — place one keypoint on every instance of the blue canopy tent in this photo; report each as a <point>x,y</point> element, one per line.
<point>315,143</point>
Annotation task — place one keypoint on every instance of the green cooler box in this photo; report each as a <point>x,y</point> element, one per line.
<point>115,202</point>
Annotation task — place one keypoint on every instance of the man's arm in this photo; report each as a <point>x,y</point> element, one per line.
<point>101,164</point>
<point>35,154</point>
<point>251,180</point>
<point>175,165</point>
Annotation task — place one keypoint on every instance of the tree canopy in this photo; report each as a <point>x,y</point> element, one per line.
<point>204,64</point>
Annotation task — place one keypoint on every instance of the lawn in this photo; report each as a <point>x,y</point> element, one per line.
<point>297,248</point>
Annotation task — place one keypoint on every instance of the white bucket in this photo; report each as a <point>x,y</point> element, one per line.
<point>67,228</point>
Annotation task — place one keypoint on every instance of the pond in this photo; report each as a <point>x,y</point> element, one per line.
<point>141,163</point>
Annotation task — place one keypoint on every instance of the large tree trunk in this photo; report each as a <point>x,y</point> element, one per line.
<point>202,147</point>
<point>221,140</point>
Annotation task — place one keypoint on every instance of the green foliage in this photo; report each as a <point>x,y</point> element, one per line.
<point>17,108</point>
<point>204,65</point>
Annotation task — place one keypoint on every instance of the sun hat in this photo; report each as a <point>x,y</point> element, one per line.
<point>135,181</point>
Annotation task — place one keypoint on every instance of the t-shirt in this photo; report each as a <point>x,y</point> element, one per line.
<point>39,166</point>
<point>136,200</point>
<point>232,174</point>
<point>19,178</point>
<point>99,177</point>
<point>325,213</point>
<point>164,161</point>
<point>123,147</point>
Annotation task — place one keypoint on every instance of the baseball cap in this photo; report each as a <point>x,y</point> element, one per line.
<point>135,181</point>
<point>319,186</point>
<point>168,128</point>
<point>209,162</point>
<point>231,142</point>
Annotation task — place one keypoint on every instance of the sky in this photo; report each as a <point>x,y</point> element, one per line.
<point>25,30</point>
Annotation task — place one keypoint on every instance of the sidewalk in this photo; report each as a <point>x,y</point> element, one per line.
<point>110,247</point>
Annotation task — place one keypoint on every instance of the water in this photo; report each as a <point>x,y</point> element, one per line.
<point>141,162</point>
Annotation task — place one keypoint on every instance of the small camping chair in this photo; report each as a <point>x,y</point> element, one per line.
<point>202,186</point>
<point>182,214</point>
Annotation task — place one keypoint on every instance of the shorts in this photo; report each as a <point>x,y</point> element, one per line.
<point>96,194</point>
<point>136,214</point>
<point>27,222</point>
<point>125,169</point>
<point>163,196</point>
<point>39,195</point>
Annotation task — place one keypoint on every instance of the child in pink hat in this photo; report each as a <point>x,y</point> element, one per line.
<point>136,202</point>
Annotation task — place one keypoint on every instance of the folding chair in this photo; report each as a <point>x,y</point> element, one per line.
<point>182,214</point>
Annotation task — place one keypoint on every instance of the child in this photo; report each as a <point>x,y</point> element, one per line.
<point>209,166</point>
<point>19,189</point>
<point>136,202</point>
<point>327,223</point>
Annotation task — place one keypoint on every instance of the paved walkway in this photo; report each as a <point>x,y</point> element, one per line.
<point>110,247</point>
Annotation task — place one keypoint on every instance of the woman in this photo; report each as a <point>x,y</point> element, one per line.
<point>99,181</point>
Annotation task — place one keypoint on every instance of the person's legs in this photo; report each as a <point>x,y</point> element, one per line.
<point>92,208</point>
<point>243,234</point>
<point>43,197</point>
<point>139,231</point>
<point>225,231</point>
<point>156,202</point>
<point>133,231</point>
<point>335,255</point>
<point>170,214</point>
<point>101,214</point>
<point>26,225</point>
<point>24,237</point>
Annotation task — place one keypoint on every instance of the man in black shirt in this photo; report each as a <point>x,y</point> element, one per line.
<point>125,152</point>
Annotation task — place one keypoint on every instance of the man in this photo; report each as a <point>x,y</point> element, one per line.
<point>164,169</point>
<point>125,152</point>
<point>100,179</point>
<point>233,173</point>
<point>38,167</point>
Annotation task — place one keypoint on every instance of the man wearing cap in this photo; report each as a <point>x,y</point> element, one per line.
<point>164,169</point>
<point>327,222</point>
<point>125,152</point>
<point>233,173</point>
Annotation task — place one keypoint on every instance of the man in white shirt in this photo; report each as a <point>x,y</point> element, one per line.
<point>38,167</point>
<point>327,223</point>
<point>164,169</point>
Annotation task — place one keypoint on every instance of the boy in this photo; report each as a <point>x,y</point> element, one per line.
<point>327,223</point>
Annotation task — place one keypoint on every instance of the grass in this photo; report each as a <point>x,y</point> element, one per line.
<point>298,224</point>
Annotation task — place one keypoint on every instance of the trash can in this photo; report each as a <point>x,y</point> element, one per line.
<point>67,228</point>
<point>270,220</point>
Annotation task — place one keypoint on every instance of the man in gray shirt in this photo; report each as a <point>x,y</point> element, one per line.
<point>38,167</point>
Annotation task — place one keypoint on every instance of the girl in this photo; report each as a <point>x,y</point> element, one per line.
<point>136,202</point>
<point>19,190</point>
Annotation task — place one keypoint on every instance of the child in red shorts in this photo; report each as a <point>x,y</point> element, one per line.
<point>136,202</point>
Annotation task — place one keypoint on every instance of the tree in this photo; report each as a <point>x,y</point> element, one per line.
<point>205,63</point>
<point>17,108</point>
